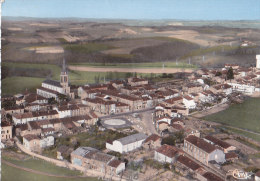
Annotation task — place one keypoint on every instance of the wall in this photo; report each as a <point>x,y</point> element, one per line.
<point>89,173</point>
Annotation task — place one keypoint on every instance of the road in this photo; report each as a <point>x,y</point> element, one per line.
<point>126,113</point>
<point>147,121</point>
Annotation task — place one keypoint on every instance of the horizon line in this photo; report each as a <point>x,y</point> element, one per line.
<point>144,19</point>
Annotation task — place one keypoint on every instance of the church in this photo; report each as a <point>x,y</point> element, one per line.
<point>52,88</point>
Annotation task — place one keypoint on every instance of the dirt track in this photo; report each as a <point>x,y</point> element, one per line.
<point>137,70</point>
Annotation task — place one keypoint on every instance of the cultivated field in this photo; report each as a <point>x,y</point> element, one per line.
<point>245,115</point>
<point>85,41</point>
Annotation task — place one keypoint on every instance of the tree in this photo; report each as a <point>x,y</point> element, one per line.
<point>179,136</point>
<point>230,74</point>
<point>218,74</point>
<point>170,140</point>
<point>62,97</point>
<point>164,75</point>
<point>8,104</point>
<point>52,100</point>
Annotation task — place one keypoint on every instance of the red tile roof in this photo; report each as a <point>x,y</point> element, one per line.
<point>30,137</point>
<point>200,143</point>
<point>115,163</point>
<point>230,155</point>
<point>153,137</point>
<point>169,151</point>
<point>218,142</point>
<point>188,162</point>
<point>212,177</point>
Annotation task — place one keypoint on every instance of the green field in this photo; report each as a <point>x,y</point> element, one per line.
<point>138,65</point>
<point>245,116</point>
<point>87,47</point>
<point>18,84</point>
<point>14,85</point>
<point>12,174</point>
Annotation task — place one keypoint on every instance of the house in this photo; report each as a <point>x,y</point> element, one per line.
<point>203,151</point>
<point>13,110</point>
<point>127,144</point>
<point>206,96</point>
<point>6,130</point>
<point>174,101</point>
<point>231,156</point>
<point>135,81</point>
<point>167,154</point>
<point>90,91</point>
<point>152,142</point>
<point>221,88</point>
<point>211,177</point>
<point>21,129</point>
<point>257,174</point>
<point>93,159</point>
<point>243,87</point>
<point>34,116</point>
<point>35,143</point>
<point>34,98</point>
<point>63,152</point>
<point>233,66</point>
<point>68,110</point>
<point>189,102</point>
<point>117,84</point>
<point>222,144</point>
<point>186,165</point>
<point>192,88</point>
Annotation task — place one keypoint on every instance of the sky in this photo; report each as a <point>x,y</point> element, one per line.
<point>136,9</point>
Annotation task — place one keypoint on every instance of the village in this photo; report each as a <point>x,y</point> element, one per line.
<point>134,129</point>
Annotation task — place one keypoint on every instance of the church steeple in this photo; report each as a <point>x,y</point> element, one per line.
<point>64,69</point>
<point>64,77</point>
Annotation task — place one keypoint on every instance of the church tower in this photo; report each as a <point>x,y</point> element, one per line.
<point>258,61</point>
<point>64,78</point>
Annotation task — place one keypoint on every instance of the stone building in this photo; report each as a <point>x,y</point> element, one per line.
<point>52,88</point>
<point>91,158</point>
<point>202,150</point>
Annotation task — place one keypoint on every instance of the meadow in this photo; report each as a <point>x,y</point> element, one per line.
<point>245,115</point>
<point>9,173</point>
<point>138,65</point>
<point>19,83</point>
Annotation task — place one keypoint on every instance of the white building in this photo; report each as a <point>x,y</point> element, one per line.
<point>52,88</point>
<point>166,154</point>
<point>189,102</point>
<point>257,176</point>
<point>34,116</point>
<point>202,150</point>
<point>258,61</point>
<point>247,89</point>
<point>35,143</point>
<point>206,97</point>
<point>127,144</point>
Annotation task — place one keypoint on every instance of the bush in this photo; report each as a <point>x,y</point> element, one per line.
<point>170,140</point>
